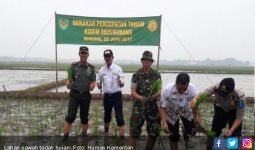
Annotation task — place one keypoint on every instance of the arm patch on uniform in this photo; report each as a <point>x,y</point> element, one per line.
<point>241,104</point>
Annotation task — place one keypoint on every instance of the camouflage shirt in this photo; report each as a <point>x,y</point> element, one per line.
<point>142,81</point>
<point>236,100</point>
<point>83,75</point>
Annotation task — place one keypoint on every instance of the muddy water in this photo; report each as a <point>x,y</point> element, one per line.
<point>201,81</point>
<point>22,79</point>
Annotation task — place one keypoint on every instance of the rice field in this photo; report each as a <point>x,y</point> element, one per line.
<point>134,67</point>
<point>45,117</point>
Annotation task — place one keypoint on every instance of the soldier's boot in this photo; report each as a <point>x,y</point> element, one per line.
<point>67,128</point>
<point>150,143</point>
<point>174,145</point>
<point>84,128</point>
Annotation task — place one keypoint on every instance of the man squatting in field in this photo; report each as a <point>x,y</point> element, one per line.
<point>175,104</point>
<point>229,106</point>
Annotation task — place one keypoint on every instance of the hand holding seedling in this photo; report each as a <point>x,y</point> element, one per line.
<point>228,133</point>
<point>101,80</point>
<point>69,84</point>
<point>99,86</point>
<point>69,77</point>
<point>155,91</point>
<point>195,103</point>
<point>155,87</point>
<point>121,84</point>
<point>165,128</point>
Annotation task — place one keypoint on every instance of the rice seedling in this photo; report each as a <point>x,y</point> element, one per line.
<point>96,118</point>
<point>30,123</point>
<point>34,132</point>
<point>16,123</point>
<point>77,129</point>
<point>201,98</point>
<point>69,73</point>
<point>2,129</point>
<point>37,130</point>
<point>203,129</point>
<point>155,87</point>
<point>114,126</point>
<point>59,129</point>
<point>210,134</point>
<point>41,126</point>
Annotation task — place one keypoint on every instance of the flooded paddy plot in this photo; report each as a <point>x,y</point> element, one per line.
<point>45,117</point>
<point>23,79</point>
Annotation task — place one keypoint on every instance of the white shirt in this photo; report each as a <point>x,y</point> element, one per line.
<point>110,77</point>
<point>177,104</point>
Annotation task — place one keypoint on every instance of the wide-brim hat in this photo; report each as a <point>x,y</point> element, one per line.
<point>147,55</point>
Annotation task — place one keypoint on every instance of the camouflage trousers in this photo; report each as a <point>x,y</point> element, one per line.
<point>145,111</point>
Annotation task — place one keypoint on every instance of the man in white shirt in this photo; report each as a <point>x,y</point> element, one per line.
<point>175,104</point>
<point>111,79</point>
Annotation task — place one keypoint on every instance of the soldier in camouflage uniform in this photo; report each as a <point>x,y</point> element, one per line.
<point>144,106</point>
<point>229,106</point>
<point>83,81</point>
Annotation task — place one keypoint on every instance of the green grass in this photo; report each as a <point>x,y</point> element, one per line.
<point>211,69</point>
<point>132,68</point>
<point>96,122</point>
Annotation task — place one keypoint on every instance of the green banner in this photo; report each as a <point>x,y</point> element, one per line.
<point>108,31</point>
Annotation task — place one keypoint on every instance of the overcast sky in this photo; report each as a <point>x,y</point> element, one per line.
<point>214,29</point>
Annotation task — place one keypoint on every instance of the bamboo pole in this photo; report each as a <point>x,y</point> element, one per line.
<point>56,52</point>
<point>159,44</point>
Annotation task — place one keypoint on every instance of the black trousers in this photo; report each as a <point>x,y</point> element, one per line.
<point>222,118</point>
<point>77,100</point>
<point>174,129</point>
<point>113,101</point>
